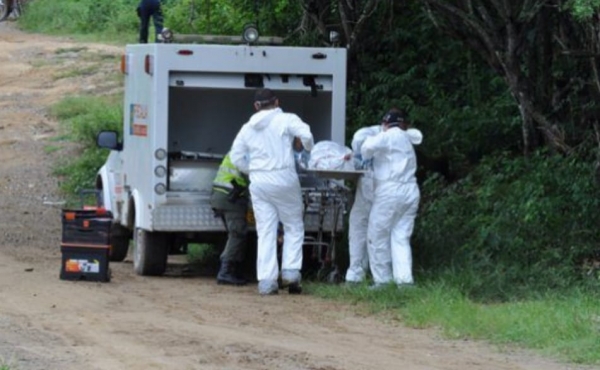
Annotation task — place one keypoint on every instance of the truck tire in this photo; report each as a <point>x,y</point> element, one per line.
<point>150,253</point>
<point>119,241</point>
<point>5,9</point>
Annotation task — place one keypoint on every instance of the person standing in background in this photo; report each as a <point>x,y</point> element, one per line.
<point>145,10</point>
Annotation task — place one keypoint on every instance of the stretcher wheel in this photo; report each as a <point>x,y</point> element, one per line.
<point>334,277</point>
<point>329,274</point>
<point>322,273</point>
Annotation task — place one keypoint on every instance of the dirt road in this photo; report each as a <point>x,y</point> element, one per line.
<point>157,323</point>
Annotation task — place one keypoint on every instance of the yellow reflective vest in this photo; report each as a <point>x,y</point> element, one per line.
<point>226,173</point>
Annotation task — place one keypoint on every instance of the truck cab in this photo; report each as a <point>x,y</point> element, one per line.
<point>183,106</point>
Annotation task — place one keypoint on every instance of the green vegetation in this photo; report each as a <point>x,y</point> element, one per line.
<point>565,325</point>
<point>81,119</point>
<point>76,72</point>
<point>513,227</point>
<point>109,21</point>
<point>4,365</point>
<point>506,244</point>
<point>584,8</point>
<point>202,254</point>
<point>51,149</point>
<point>74,49</point>
<point>117,21</point>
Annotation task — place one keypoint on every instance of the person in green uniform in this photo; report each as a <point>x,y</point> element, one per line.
<point>229,199</point>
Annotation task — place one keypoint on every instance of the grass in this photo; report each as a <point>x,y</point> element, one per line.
<point>4,365</point>
<point>84,20</point>
<point>76,72</point>
<point>201,253</point>
<point>74,49</point>
<point>562,326</point>
<point>88,63</point>
<point>40,63</point>
<point>81,118</point>
<point>59,138</point>
<point>51,149</point>
<point>100,57</point>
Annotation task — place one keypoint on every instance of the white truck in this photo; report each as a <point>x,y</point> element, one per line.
<point>183,106</point>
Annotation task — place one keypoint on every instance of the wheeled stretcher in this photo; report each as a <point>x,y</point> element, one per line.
<point>326,200</point>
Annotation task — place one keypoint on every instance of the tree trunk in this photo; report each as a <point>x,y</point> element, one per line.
<point>514,39</point>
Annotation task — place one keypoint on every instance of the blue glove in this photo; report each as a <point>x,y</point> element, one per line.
<point>302,159</point>
<point>367,164</point>
<point>358,162</point>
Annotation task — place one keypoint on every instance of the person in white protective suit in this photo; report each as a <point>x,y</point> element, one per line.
<point>363,200</point>
<point>359,214</point>
<point>263,149</point>
<point>396,200</point>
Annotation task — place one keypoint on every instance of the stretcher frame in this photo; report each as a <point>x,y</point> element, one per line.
<point>327,195</point>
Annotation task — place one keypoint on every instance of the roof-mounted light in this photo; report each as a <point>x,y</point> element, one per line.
<point>166,36</point>
<point>250,34</point>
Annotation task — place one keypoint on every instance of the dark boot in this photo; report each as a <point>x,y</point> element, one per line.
<point>238,271</point>
<point>227,275</point>
<point>295,288</point>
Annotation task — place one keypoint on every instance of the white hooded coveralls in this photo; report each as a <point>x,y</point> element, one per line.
<point>263,149</point>
<point>395,204</point>
<point>359,214</point>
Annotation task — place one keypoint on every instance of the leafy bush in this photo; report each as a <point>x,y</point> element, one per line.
<point>82,118</point>
<point>118,18</point>
<point>584,8</point>
<point>188,16</point>
<point>202,254</point>
<point>461,105</point>
<point>512,226</point>
<point>73,17</point>
<point>228,17</point>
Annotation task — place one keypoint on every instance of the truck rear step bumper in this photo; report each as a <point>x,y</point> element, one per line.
<point>188,217</point>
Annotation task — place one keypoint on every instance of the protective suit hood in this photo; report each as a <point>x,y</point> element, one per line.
<point>261,119</point>
<point>415,136</point>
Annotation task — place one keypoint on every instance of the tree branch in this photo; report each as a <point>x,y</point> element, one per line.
<point>469,21</point>
<point>315,17</point>
<point>345,21</point>
<point>368,10</point>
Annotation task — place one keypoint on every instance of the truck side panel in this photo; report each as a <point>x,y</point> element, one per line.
<point>144,130</point>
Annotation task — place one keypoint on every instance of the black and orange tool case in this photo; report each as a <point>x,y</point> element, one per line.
<point>85,245</point>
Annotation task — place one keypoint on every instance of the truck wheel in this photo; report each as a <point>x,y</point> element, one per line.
<point>5,8</point>
<point>119,246</point>
<point>150,253</point>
